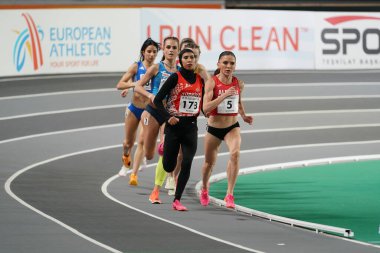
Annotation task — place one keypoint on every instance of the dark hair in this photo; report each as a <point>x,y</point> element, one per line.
<point>193,46</point>
<point>183,51</point>
<point>169,38</point>
<point>186,41</point>
<point>224,53</point>
<point>148,42</point>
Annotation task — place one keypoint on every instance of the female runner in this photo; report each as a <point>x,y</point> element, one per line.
<point>183,91</point>
<point>222,102</point>
<point>151,118</point>
<point>148,53</point>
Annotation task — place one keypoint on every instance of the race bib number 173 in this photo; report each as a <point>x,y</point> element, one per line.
<point>189,104</point>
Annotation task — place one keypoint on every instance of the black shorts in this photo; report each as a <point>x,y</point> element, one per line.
<point>220,133</point>
<point>155,114</point>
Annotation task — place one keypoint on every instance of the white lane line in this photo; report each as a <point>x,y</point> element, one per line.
<point>105,185</point>
<point>61,132</point>
<point>111,179</point>
<point>286,129</point>
<point>244,99</point>
<point>202,117</point>
<point>267,85</point>
<point>268,130</point>
<point>288,165</point>
<point>58,93</point>
<point>309,97</point>
<point>63,111</point>
<point>314,112</point>
<point>63,76</point>
<point>329,84</point>
<point>105,192</point>
<point>71,229</point>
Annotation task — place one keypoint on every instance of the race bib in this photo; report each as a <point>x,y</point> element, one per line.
<point>189,104</point>
<point>147,86</point>
<point>229,105</point>
<point>163,79</point>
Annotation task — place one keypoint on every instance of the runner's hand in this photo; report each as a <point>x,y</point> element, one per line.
<point>124,92</point>
<point>248,119</point>
<point>230,92</point>
<point>173,120</point>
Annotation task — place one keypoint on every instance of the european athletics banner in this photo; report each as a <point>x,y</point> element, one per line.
<point>51,41</point>
<point>68,41</point>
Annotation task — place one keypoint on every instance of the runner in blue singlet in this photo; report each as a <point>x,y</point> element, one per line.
<point>133,112</point>
<point>151,119</point>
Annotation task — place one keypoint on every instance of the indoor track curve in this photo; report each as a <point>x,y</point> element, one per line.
<point>60,147</point>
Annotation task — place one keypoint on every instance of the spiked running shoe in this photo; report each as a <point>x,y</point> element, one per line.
<point>229,201</point>
<point>171,192</point>
<point>126,161</point>
<point>170,183</point>
<point>133,179</point>
<point>123,172</point>
<point>154,197</point>
<point>204,198</point>
<point>178,206</point>
<point>143,165</point>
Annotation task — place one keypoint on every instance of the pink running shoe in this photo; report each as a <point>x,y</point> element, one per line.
<point>205,200</point>
<point>229,201</point>
<point>178,206</point>
<point>160,149</point>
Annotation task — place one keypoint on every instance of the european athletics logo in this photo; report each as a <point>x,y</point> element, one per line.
<point>28,40</point>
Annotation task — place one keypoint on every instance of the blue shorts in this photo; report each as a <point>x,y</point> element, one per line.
<point>136,111</point>
<point>155,114</point>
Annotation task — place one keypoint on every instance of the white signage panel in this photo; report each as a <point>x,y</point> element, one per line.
<point>347,40</point>
<point>260,39</point>
<point>68,40</point>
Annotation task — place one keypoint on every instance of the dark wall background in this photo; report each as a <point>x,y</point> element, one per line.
<point>310,5</point>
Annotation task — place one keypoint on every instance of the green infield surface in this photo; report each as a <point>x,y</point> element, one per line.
<point>344,195</point>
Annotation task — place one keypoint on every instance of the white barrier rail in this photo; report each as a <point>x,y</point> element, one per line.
<point>293,222</point>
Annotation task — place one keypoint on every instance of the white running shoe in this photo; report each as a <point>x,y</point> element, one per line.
<point>123,171</point>
<point>170,183</point>
<point>171,192</point>
<point>143,165</point>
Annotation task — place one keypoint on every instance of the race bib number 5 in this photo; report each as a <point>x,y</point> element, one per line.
<point>189,104</point>
<point>229,105</point>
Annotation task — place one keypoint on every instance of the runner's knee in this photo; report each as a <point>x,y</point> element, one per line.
<point>235,155</point>
<point>208,165</point>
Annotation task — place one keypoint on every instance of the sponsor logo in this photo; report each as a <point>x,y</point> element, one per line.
<point>28,42</point>
<point>340,39</point>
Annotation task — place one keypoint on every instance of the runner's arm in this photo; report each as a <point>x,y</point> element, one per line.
<point>139,85</point>
<point>246,118</point>
<point>163,93</point>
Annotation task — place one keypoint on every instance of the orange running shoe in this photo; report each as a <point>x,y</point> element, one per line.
<point>154,197</point>
<point>133,179</point>
<point>126,161</point>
